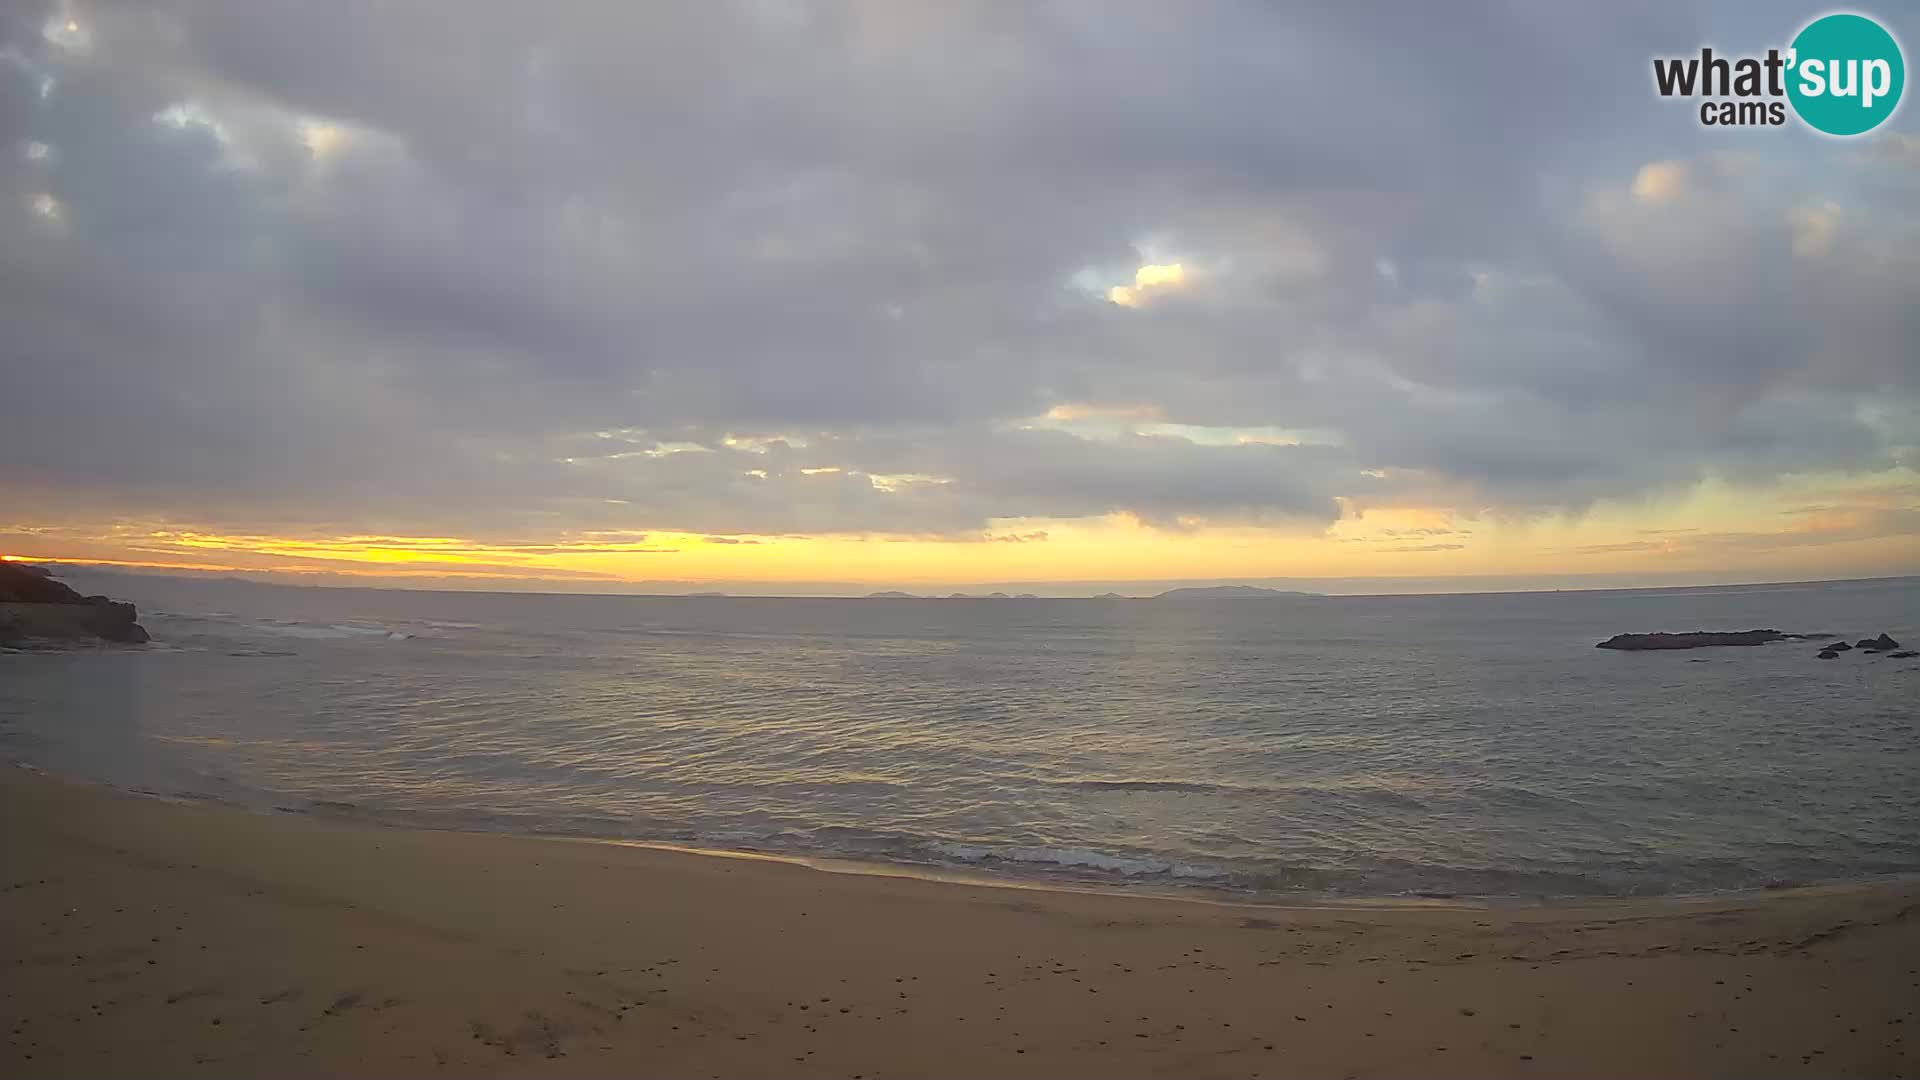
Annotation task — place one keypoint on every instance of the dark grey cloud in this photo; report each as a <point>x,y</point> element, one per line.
<point>481,265</point>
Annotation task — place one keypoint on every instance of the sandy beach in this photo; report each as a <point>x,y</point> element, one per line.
<point>150,937</point>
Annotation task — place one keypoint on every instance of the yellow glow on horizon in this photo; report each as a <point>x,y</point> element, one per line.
<point>1810,527</point>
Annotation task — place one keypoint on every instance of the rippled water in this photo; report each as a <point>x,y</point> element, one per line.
<point>1470,745</point>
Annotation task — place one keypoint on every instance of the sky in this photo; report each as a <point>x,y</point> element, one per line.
<point>772,294</point>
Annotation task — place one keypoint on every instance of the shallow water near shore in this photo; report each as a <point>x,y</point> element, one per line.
<point>1456,746</point>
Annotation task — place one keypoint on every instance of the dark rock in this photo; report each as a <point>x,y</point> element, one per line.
<point>33,605</point>
<point>1829,654</point>
<point>1884,642</point>
<point>1839,646</point>
<point>115,621</point>
<point>1903,654</point>
<point>69,622</point>
<point>21,583</point>
<point>1698,639</point>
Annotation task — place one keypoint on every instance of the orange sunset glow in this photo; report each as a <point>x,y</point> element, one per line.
<point>303,337</point>
<point>1712,530</point>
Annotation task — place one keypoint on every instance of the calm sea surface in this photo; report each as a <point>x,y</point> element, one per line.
<point>1354,746</point>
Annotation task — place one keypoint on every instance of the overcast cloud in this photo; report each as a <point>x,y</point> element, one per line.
<point>493,268</point>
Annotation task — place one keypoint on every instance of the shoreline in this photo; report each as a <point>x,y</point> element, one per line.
<point>1010,878</point>
<point>1301,901</point>
<point>145,935</point>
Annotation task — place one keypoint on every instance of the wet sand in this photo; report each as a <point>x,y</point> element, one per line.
<point>146,937</point>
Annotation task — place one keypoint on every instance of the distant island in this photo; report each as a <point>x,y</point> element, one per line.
<point>1226,592</point>
<point>951,596</point>
<point>1208,592</point>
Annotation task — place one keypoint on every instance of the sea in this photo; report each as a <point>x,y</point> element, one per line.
<point>1272,750</point>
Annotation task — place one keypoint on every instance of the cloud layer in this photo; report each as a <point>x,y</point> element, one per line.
<point>774,267</point>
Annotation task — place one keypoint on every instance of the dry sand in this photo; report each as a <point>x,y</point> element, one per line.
<point>143,937</point>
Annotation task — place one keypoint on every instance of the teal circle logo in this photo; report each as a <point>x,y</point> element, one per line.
<point>1845,74</point>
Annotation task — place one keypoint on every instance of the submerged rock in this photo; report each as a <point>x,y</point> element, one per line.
<point>1828,654</point>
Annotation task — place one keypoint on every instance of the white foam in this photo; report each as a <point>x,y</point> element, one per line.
<point>334,631</point>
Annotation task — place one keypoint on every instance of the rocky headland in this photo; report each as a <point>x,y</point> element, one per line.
<point>36,607</point>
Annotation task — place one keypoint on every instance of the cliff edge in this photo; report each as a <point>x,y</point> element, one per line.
<point>35,606</point>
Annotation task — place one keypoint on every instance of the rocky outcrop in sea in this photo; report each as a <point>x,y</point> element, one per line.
<point>1883,645</point>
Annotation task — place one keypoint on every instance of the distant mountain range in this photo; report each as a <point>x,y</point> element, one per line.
<point>1226,592</point>
<point>950,596</point>
<point>1211,592</point>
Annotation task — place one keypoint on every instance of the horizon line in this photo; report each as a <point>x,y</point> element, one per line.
<point>1299,588</point>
